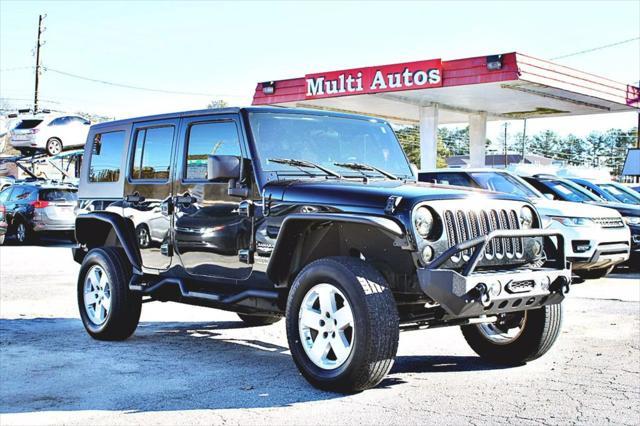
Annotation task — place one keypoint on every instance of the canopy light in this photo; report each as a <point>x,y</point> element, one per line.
<point>269,87</point>
<point>494,62</point>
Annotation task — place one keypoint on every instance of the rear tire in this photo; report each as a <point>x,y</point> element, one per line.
<point>1,240</point>
<point>54,146</point>
<point>109,310</point>
<point>539,331</point>
<point>259,320</point>
<point>357,346</point>
<point>143,236</point>
<point>594,274</point>
<point>24,234</point>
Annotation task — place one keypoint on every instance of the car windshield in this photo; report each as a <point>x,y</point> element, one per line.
<point>620,193</point>
<point>334,143</point>
<point>27,124</point>
<point>502,182</point>
<point>571,192</point>
<point>58,195</point>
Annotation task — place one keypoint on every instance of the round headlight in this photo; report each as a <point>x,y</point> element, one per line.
<point>526,218</point>
<point>423,221</point>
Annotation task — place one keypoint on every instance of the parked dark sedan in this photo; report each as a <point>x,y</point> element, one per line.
<point>612,192</point>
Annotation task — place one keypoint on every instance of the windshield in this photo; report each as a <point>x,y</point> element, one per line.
<point>502,182</point>
<point>325,141</point>
<point>27,124</point>
<point>58,195</point>
<point>571,192</point>
<point>620,193</point>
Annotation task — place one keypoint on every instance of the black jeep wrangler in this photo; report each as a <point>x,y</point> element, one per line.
<point>317,217</point>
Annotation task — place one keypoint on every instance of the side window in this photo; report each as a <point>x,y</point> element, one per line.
<point>152,153</point>
<point>457,179</point>
<point>106,156</point>
<point>218,138</point>
<point>60,121</point>
<point>25,194</point>
<point>4,195</point>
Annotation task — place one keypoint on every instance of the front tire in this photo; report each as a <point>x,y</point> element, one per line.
<point>342,324</point>
<point>594,274</point>
<point>109,310</point>
<point>536,332</point>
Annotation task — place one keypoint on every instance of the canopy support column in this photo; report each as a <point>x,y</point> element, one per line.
<point>477,139</point>
<point>428,137</point>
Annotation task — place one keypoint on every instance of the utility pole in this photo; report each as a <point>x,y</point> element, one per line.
<point>506,156</point>
<point>38,66</point>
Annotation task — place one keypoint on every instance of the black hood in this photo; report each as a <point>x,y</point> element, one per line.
<point>374,194</point>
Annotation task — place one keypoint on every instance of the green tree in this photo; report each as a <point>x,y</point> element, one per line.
<point>217,104</point>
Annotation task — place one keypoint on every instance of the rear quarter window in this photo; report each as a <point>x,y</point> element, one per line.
<point>106,156</point>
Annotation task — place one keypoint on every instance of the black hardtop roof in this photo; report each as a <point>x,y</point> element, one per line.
<point>234,110</point>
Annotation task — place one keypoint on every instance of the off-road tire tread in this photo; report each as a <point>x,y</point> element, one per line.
<point>381,308</point>
<point>541,331</point>
<point>126,306</point>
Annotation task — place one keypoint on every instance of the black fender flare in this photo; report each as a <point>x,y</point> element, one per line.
<point>93,228</point>
<point>294,224</point>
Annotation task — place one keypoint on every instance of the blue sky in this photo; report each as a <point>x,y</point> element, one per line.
<point>224,49</point>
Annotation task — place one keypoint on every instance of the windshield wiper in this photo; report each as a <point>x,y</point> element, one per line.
<point>368,167</point>
<point>304,163</point>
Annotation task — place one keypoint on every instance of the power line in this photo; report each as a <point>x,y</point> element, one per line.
<point>606,46</point>
<point>129,86</point>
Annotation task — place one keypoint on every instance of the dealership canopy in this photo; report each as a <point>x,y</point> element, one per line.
<point>474,90</point>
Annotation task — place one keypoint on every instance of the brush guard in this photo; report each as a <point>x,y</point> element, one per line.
<point>471,293</point>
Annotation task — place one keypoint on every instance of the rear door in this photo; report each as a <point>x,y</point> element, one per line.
<point>148,187</point>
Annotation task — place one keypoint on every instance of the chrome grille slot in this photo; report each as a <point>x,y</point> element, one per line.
<point>514,223</point>
<point>462,225</point>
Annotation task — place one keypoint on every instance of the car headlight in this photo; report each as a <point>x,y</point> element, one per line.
<point>526,218</point>
<point>423,221</point>
<point>631,220</point>
<point>573,221</point>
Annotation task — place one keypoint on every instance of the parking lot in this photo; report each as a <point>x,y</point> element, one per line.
<point>195,365</point>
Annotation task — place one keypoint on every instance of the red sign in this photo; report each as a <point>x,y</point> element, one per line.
<point>385,78</point>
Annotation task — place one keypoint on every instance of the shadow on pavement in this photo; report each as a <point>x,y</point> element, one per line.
<point>51,364</point>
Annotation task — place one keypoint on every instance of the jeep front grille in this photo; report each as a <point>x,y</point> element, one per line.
<point>609,222</point>
<point>463,225</point>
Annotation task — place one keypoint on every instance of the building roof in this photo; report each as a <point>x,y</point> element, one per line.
<point>506,86</point>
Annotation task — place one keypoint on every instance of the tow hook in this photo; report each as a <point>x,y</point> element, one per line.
<point>481,293</point>
<point>562,285</point>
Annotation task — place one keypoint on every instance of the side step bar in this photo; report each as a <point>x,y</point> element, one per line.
<point>219,300</point>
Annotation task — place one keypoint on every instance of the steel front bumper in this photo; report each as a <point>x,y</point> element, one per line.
<point>471,293</point>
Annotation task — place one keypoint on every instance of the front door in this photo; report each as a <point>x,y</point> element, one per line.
<point>208,230</point>
<point>148,188</point>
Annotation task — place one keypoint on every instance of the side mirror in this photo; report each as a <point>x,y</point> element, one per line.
<point>223,167</point>
<point>549,196</point>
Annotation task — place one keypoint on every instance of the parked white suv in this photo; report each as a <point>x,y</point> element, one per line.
<point>596,238</point>
<point>49,133</point>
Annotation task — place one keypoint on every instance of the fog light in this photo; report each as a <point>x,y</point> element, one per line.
<point>545,283</point>
<point>581,246</point>
<point>495,289</point>
<point>427,254</point>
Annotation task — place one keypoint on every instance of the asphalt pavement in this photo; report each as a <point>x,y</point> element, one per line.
<point>192,365</point>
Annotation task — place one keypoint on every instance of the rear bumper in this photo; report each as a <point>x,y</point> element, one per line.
<point>47,226</point>
<point>470,294</point>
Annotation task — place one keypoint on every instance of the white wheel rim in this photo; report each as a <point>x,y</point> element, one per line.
<point>97,295</point>
<point>494,333</point>
<point>326,326</point>
<point>54,147</point>
<point>21,233</point>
